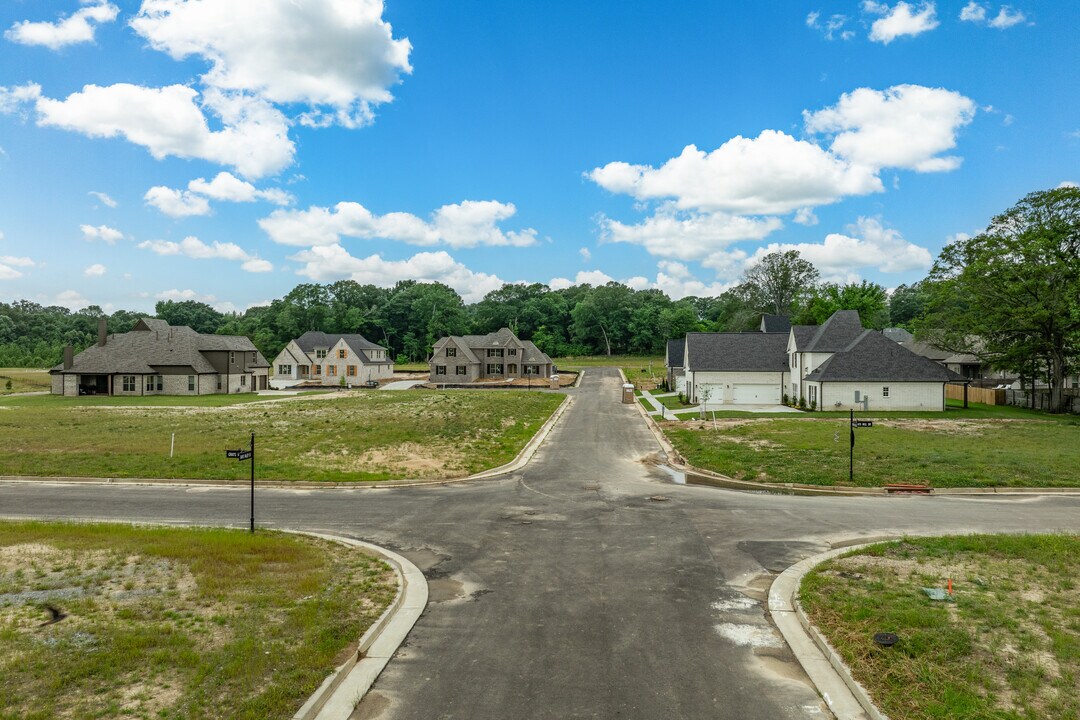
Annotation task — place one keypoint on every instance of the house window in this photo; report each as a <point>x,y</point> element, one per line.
<point>440,369</point>
<point>512,368</point>
<point>495,353</point>
<point>253,360</point>
<point>512,351</point>
<point>316,369</point>
<point>460,370</point>
<point>533,369</point>
<point>191,383</point>
<point>320,354</point>
<point>153,381</point>
<point>232,358</point>
<point>813,394</point>
<point>284,369</point>
<point>331,370</point>
<point>342,353</point>
<point>350,371</point>
<point>243,381</point>
<point>129,383</point>
<point>451,352</point>
<point>218,382</point>
<point>884,392</point>
<point>493,369</point>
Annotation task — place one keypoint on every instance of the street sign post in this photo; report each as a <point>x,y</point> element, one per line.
<point>851,453</point>
<point>242,455</point>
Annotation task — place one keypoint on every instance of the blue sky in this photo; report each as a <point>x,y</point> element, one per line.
<point>225,150</point>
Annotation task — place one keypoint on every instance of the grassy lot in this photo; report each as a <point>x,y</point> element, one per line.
<point>636,367</point>
<point>175,623</point>
<point>20,380</point>
<point>1006,647</point>
<point>973,448</point>
<point>671,402</point>
<point>411,367</point>
<point>149,401</point>
<point>340,437</point>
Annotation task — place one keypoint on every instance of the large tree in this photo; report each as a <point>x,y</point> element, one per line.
<point>1012,293</point>
<point>868,298</point>
<point>779,280</point>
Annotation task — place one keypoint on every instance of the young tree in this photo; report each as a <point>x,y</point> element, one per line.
<point>1012,293</point>
<point>779,280</point>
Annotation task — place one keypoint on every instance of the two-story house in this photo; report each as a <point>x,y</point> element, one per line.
<point>156,358</point>
<point>348,359</point>
<point>496,356</point>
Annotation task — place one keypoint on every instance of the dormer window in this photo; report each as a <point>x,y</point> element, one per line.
<point>320,353</point>
<point>232,358</point>
<point>451,352</point>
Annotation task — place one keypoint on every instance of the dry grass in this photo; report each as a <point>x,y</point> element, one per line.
<point>20,380</point>
<point>175,623</point>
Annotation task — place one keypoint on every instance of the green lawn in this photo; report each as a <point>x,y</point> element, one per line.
<point>979,447</point>
<point>364,436</point>
<point>672,402</point>
<point>1006,647</point>
<point>20,380</point>
<point>193,401</point>
<point>175,623</point>
<point>412,367</point>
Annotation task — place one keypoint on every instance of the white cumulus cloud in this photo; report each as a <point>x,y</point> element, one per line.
<point>905,126</point>
<point>900,20</point>
<point>71,30</point>
<point>325,263</point>
<point>103,198</point>
<point>470,223</point>
<point>71,299</point>
<point>973,12</point>
<point>195,248</point>
<point>224,187</point>
<point>1007,18</point>
<point>181,295</point>
<point>334,54</point>
<point>104,233</point>
<point>8,263</point>
<point>95,270</point>
<point>176,203</point>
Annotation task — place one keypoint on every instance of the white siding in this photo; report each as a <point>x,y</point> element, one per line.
<point>722,385</point>
<point>902,395</point>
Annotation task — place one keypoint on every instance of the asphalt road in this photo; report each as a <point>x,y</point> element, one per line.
<point>574,589</point>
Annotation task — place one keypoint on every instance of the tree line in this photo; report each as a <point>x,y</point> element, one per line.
<point>1010,295</point>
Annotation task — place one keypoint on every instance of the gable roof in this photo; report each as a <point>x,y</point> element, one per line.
<point>501,338</point>
<point>897,334</point>
<point>775,324</point>
<point>736,352</point>
<point>675,352</point>
<point>835,334</point>
<point>153,344</point>
<point>873,357</point>
<point>314,339</point>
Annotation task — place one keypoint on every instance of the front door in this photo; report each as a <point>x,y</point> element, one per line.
<point>262,382</point>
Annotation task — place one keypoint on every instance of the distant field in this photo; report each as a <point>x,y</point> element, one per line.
<point>411,367</point>
<point>176,623</point>
<point>979,447</point>
<point>639,369</point>
<point>23,380</point>
<point>339,437</point>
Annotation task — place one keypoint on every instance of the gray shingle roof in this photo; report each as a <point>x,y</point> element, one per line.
<point>834,334</point>
<point>775,324</point>
<point>501,338</point>
<point>675,350</point>
<point>873,357</point>
<point>736,352</point>
<point>314,339</point>
<point>927,350</point>
<point>899,335</point>
<point>154,344</point>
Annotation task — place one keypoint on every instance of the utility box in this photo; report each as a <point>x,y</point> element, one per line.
<point>628,393</point>
<point>554,382</point>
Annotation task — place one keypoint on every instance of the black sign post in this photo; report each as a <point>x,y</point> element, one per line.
<point>242,455</point>
<point>851,454</point>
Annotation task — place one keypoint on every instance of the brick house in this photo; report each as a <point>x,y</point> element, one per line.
<point>331,360</point>
<point>496,356</point>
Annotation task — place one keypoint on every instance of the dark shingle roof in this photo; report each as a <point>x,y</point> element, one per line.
<point>736,352</point>
<point>501,338</point>
<point>927,350</point>
<point>899,335</point>
<point>833,335</point>
<point>154,344</point>
<point>775,324</point>
<point>675,352</point>
<point>873,357</point>
<point>314,339</point>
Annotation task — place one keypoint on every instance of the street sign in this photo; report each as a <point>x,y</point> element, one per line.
<point>233,453</point>
<point>245,455</point>
<point>863,423</point>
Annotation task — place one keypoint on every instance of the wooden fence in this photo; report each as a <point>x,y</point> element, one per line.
<point>988,396</point>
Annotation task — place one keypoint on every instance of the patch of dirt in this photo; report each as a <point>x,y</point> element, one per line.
<point>143,700</point>
<point>946,427</point>
<point>411,460</point>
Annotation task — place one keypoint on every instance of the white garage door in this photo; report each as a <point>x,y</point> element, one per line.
<point>756,395</point>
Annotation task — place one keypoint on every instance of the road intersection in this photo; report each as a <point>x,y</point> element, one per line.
<point>585,585</point>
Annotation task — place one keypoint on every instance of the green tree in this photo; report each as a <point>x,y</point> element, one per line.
<point>198,316</point>
<point>1012,294</point>
<point>779,281</point>
<point>868,298</point>
<point>906,303</point>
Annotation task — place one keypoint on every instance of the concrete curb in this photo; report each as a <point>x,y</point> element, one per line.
<point>523,457</point>
<point>339,694</point>
<point>846,698</point>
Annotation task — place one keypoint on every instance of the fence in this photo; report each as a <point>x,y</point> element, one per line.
<point>1041,399</point>
<point>988,396</point>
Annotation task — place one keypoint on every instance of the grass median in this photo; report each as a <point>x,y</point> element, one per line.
<point>357,436</point>
<point>1004,645</point>
<point>176,623</point>
<point>958,448</point>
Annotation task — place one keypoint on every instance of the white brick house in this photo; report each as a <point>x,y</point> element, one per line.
<point>348,359</point>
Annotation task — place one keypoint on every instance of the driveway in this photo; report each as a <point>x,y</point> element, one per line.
<point>402,384</point>
<point>586,586</point>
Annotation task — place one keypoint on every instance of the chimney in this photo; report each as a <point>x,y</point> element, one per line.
<point>102,331</point>
<point>69,357</point>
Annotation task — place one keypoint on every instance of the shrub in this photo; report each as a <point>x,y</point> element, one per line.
<point>802,403</point>
<point>786,400</point>
<point>682,398</point>
<point>813,405</point>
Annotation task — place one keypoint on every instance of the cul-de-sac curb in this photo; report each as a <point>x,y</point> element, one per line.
<point>846,698</point>
<point>339,694</point>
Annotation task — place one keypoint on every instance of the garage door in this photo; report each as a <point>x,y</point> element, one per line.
<point>756,395</point>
